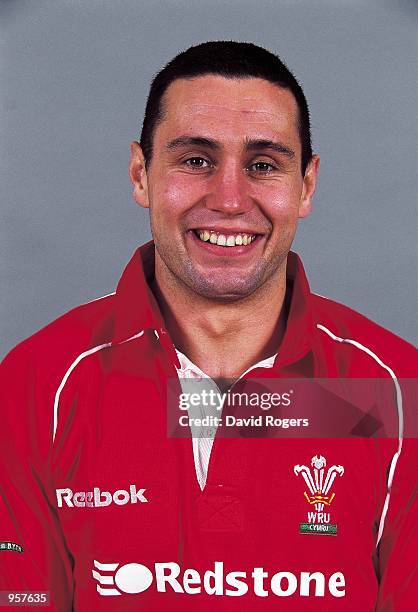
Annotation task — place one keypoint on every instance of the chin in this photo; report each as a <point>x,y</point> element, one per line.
<point>224,291</point>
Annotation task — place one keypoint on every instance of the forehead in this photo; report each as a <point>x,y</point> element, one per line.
<point>228,109</point>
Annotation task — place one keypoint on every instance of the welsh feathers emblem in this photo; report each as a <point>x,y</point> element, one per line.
<point>319,482</point>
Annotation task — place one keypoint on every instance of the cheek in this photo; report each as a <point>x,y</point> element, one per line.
<point>170,199</point>
<point>280,202</point>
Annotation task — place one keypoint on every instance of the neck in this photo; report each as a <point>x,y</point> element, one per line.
<point>222,339</point>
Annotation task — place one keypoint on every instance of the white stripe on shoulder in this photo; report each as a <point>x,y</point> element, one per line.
<point>320,295</point>
<point>102,297</point>
<point>400,417</point>
<point>72,368</point>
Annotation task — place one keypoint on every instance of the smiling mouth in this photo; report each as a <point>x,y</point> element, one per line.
<point>225,240</point>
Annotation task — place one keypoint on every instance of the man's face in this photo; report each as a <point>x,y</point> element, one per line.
<point>224,185</point>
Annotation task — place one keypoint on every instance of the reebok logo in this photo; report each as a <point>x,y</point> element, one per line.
<point>98,498</point>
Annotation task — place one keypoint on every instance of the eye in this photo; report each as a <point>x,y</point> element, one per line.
<point>261,167</point>
<point>197,163</point>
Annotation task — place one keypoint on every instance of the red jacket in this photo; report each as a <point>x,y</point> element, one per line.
<point>103,510</point>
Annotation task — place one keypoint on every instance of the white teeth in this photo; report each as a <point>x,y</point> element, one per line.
<point>226,241</point>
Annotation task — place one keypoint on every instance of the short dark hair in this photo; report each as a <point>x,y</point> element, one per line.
<point>231,60</point>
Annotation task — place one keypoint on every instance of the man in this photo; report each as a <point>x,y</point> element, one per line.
<point>104,510</point>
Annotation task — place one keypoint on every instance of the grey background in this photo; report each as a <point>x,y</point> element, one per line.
<point>74,76</point>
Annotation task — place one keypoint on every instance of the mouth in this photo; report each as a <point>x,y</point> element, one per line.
<point>227,239</point>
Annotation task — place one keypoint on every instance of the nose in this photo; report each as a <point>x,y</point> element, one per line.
<point>229,190</point>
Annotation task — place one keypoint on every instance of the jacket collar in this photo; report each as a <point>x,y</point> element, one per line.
<point>137,308</point>
<point>299,333</point>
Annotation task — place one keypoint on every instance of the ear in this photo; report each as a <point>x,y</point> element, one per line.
<point>138,175</point>
<point>309,186</point>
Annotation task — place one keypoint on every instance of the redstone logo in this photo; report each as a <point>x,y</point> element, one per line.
<point>98,498</point>
<point>135,578</point>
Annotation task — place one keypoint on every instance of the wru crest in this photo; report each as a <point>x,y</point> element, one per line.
<point>319,483</point>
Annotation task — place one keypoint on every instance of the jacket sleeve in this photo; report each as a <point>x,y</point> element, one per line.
<point>33,552</point>
<point>397,552</point>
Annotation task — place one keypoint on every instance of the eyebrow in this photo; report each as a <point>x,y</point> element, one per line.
<point>195,141</point>
<point>214,145</point>
<point>279,147</point>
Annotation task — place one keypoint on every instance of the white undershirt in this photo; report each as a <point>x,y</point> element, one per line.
<point>202,438</point>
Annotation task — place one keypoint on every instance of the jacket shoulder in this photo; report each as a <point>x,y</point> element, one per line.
<point>346,323</point>
<point>31,374</point>
<point>58,343</point>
